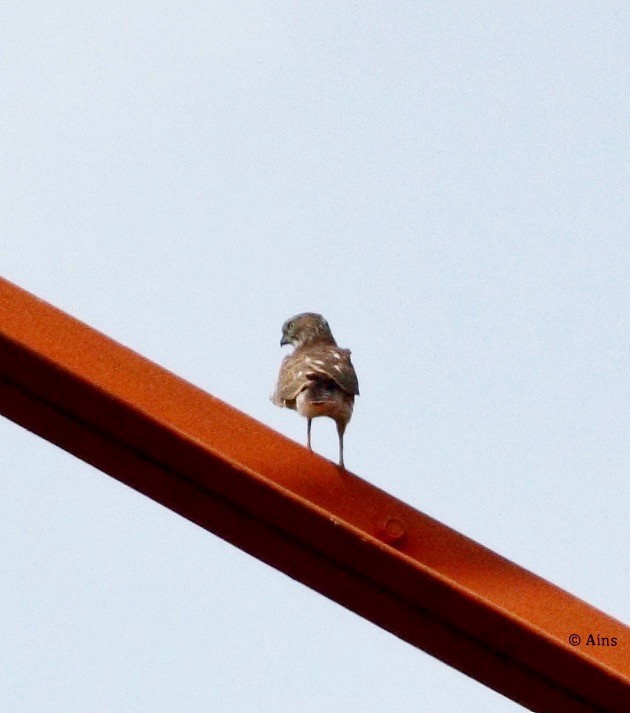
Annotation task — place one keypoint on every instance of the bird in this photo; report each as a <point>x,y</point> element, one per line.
<point>318,378</point>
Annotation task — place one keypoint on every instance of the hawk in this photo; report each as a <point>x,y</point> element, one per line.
<point>318,378</point>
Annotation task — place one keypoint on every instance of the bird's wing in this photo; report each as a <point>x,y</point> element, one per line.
<point>299,369</point>
<point>293,377</point>
<point>331,361</point>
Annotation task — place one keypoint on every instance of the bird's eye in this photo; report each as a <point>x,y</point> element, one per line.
<point>290,326</point>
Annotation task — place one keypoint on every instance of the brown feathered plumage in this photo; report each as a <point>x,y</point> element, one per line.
<point>318,379</point>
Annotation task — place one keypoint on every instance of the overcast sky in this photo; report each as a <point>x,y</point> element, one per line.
<point>447,183</point>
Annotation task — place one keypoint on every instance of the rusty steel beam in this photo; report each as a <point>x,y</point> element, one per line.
<point>375,555</point>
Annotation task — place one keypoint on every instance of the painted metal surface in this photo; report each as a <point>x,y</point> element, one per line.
<point>327,528</point>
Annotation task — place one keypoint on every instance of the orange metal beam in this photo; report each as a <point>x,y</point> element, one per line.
<point>343,537</point>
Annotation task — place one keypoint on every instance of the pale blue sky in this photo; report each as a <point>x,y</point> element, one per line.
<point>448,185</point>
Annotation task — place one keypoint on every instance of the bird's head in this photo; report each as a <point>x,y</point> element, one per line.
<point>306,328</point>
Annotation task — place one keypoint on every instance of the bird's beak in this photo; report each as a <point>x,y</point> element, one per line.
<point>284,341</point>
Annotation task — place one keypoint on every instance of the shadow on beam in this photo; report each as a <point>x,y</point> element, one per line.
<point>375,555</point>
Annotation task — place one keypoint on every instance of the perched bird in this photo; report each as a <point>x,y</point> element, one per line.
<point>318,378</point>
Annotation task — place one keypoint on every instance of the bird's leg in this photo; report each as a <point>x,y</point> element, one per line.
<point>308,433</point>
<point>341,427</point>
